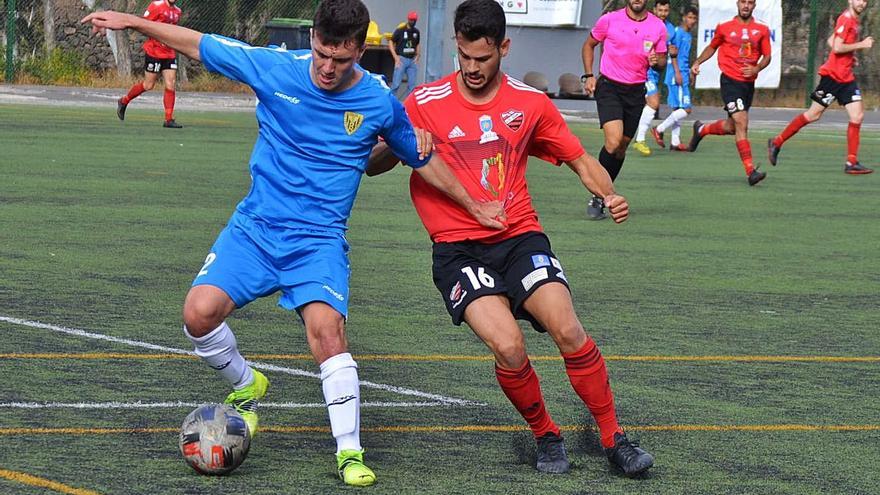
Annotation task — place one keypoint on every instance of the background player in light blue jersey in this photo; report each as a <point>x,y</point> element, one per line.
<point>652,87</point>
<point>678,79</point>
<point>319,116</point>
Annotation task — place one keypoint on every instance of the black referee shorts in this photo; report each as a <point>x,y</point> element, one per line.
<point>618,101</point>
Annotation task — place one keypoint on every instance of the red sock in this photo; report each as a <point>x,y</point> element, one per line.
<point>791,129</point>
<point>852,142</point>
<point>135,91</point>
<point>169,104</point>
<point>521,386</point>
<point>745,153</point>
<point>589,378</point>
<point>715,128</point>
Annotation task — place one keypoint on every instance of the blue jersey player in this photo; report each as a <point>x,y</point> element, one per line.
<point>678,79</point>
<point>319,115</point>
<point>652,87</point>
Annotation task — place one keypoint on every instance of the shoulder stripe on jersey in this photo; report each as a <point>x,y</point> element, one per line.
<point>513,83</point>
<point>425,90</point>
<point>440,96</point>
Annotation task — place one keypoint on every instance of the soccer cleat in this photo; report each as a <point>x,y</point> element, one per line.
<point>696,138</point>
<point>351,468</point>
<point>642,148</point>
<point>678,147</point>
<point>756,176</point>
<point>856,169</point>
<point>171,124</point>
<point>658,137</point>
<point>120,109</point>
<point>596,209</point>
<point>551,455</point>
<point>245,400</point>
<point>773,152</point>
<point>628,457</point>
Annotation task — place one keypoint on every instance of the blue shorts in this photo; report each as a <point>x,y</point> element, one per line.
<point>251,259</point>
<point>679,96</point>
<point>652,85</point>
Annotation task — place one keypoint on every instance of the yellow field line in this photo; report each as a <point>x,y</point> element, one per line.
<point>454,429</point>
<point>452,357</point>
<point>27,479</point>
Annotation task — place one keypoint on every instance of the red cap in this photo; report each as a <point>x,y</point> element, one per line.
<point>413,15</point>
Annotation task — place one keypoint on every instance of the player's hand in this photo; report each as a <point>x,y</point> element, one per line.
<point>618,207</point>
<point>695,70</point>
<point>653,58</point>
<point>868,42</point>
<point>678,78</point>
<point>490,214</point>
<point>590,86</point>
<point>104,20</point>
<point>424,142</point>
<point>750,71</point>
<point>397,64</point>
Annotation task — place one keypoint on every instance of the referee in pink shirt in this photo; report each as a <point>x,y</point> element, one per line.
<point>633,39</point>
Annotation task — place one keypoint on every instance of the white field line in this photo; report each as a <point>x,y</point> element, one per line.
<point>192,405</point>
<point>263,366</point>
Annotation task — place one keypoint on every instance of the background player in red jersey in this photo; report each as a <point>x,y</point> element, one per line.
<point>158,59</point>
<point>743,46</point>
<point>485,125</point>
<point>838,83</point>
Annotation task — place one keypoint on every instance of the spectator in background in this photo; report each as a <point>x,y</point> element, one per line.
<point>405,51</point>
<point>159,58</point>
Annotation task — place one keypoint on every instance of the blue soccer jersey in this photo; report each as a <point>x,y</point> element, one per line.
<point>313,145</point>
<point>682,40</point>
<point>652,86</point>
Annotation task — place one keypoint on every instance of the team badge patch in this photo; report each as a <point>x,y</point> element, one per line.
<point>353,122</point>
<point>456,295</point>
<point>540,260</point>
<point>512,119</point>
<point>486,128</point>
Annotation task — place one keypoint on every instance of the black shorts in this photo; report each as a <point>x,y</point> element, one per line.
<point>830,90</point>
<point>736,95</point>
<point>157,65</point>
<point>618,101</point>
<point>516,267</point>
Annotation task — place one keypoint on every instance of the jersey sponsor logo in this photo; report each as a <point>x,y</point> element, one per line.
<point>456,296</point>
<point>533,278</point>
<point>540,260</point>
<point>513,119</point>
<point>486,126</point>
<point>456,132</point>
<point>353,122</point>
<point>493,174</point>
<point>291,99</point>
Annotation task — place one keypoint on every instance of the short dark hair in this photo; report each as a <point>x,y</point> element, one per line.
<point>338,21</point>
<point>475,19</point>
<point>661,2</point>
<point>691,9</point>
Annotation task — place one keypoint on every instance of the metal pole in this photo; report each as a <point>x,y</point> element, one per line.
<point>10,40</point>
<point>811,54</point>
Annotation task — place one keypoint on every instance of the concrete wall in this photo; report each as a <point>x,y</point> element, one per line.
<point>551,51</point>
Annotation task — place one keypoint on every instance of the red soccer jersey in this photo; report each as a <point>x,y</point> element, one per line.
<point>740,44</point>
<point>161,11</point>
<point>840,65</point>
<point>487,147</point>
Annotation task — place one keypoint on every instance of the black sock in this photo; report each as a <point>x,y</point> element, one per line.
<point>611,163</point>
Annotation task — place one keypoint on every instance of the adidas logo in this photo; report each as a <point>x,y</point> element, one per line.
<point>456,132</point>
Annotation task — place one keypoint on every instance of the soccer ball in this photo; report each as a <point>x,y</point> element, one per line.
<point>214,439</point>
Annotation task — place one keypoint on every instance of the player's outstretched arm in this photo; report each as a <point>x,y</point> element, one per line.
<point>707,53</point>
<point>181,39</point>
<point>381,160</point>
<point>596,179</point>
<point>489,214</point>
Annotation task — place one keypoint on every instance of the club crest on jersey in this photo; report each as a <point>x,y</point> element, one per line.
<point>353,122</point>
<point>513,119</point>
<point>486,126</point>
<point>456,296</point>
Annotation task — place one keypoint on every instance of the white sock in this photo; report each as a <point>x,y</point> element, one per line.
<point>220,350</point>
<point>674,118</point>
<point>676,134</point>
<point>645,123</point>
<point>343,398</point>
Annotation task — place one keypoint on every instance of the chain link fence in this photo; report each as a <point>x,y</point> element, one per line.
<point>44,42</point>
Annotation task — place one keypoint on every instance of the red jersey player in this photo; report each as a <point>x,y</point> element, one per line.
<point>743,46</point>
<point>838,83</point>
<point>158,59</point>
<point>485,126</point>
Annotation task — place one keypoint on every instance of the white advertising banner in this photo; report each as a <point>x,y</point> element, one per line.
<point>712,12</point>
<point>542,12</point>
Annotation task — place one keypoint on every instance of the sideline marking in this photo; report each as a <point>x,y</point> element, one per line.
<point>263,366</point>
<point>182,404</point>
<point>458,429</point>
<point>27,479</point>
<point>450,357</point>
